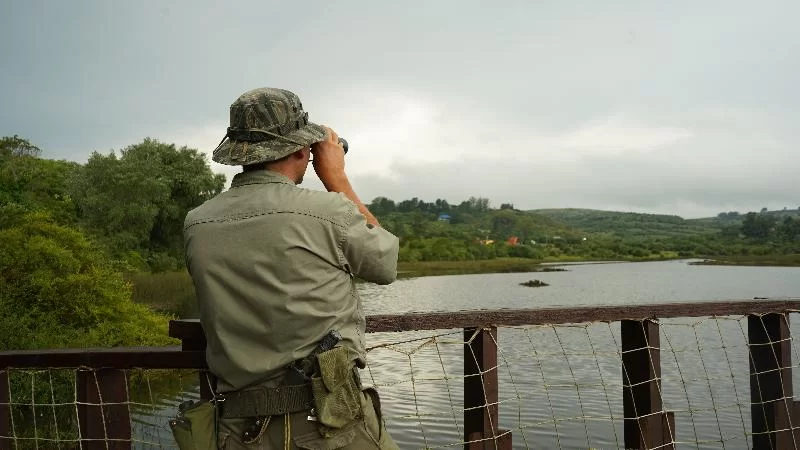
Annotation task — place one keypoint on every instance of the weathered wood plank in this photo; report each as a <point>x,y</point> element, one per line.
<point>118,358</point>
<point>190,328</point>
<point>519,317</point>
<point>103,414</point>
<point>5,412</point>
<point>481,412</point>
<point>645,424</point>
<point>771,394</point>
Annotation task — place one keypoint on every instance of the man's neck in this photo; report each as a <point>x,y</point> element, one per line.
<point>283,170</point>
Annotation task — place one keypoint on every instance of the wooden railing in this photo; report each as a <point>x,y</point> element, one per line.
<point>106,424</point>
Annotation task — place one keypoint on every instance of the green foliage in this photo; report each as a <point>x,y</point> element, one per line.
<point>15,146</point>
<point>629,225</point>
<point>496,265</point>
<point>137,202</point>
<point>578,234</point>
<point>789,229</point>
<point>58,290</point>
<point>28,183</point>
<point>757,226</point>
<point>170,292</point>
<point>439,231</point>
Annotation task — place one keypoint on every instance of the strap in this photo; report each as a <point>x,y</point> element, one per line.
<point>274,132</point>
<point>263,134</point>
<point>264,401</point>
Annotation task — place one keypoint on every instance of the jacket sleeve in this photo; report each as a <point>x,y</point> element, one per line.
<point>370,251</point>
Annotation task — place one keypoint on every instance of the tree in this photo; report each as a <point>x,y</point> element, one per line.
<point>381,206</point>
<point>137,202</point>
<point>409,205</point>
<point>757,226</point>
<point>503,223</point>
<point>17,146</point>
<point>33,184</point>
<point>441,205</point>
<point>730,215</point>
<point>789,229</point>
<point>474,204</point>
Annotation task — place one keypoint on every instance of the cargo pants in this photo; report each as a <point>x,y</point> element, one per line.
<point>296,431</point>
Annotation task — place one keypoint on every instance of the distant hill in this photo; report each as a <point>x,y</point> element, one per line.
<point>630,224</point>
<point>734,218</point>
<point>785,213</point>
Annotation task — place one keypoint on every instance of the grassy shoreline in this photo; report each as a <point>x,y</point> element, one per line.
<point>504,265</point>
<point>434,268</point>
<point>792,260</point>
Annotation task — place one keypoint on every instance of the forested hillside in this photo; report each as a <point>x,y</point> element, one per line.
<point>629,224</point>
<point>473,229</point>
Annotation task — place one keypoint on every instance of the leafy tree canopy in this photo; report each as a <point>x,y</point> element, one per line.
<point>137,202</point>
<point>33,184</point>
<point>17,146</point>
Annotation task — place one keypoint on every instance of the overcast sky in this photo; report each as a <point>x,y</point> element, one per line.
<point>687,108</point>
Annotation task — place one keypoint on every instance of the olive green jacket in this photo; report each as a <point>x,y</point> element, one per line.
<point>274,269</point>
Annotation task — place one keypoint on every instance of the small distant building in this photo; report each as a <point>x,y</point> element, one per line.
<point>486,241</point>
<point>513,241</point>
<point>444,218</point>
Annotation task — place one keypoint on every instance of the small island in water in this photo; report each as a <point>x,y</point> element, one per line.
<point>534,283</point>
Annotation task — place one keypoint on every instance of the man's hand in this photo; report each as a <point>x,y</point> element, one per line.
<point>329,162</point>
<point>329,166</point>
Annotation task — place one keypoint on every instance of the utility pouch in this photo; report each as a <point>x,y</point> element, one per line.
<point>337,395</point>
<point>195,427</point>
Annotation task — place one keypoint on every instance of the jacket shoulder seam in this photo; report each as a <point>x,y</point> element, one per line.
<point>236,217</point>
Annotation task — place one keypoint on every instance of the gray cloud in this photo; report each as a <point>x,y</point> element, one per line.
<point>681,107</point>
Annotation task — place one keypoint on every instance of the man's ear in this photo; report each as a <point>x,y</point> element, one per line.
<point>299,154</point>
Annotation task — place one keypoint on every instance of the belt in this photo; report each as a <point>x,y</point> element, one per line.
<point>269,401</point>
<point>266,401</point>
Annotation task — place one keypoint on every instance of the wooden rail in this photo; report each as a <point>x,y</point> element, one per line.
<point>646,424</point>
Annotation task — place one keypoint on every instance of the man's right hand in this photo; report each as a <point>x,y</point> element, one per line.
<point>329,162</point>
<point>329,166</point>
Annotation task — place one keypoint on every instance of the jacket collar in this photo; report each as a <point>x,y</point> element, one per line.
<point>259,177</point>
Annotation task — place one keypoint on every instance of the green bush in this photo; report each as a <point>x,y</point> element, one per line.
<point>59,290</point>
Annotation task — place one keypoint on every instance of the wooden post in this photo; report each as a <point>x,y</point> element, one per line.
<point>5,412</point>
<point>646,425</point>
<point>103,413</point>
<point>771,396</point>
<point>481,392</point>
<point>208,382</point>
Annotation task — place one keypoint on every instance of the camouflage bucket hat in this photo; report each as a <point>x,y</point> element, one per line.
<point>266,124</point>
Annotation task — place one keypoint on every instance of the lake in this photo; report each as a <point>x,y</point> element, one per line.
<point>560,386</point>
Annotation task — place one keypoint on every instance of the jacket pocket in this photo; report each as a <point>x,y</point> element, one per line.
<point>337,397</point>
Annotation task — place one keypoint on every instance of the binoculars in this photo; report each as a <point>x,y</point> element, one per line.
<point>343,143</point>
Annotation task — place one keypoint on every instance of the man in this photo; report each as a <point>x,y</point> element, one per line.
<point>274,269</point>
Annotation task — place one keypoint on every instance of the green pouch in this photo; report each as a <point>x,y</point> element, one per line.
<point>195,428</point>
<point>337,396</point>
